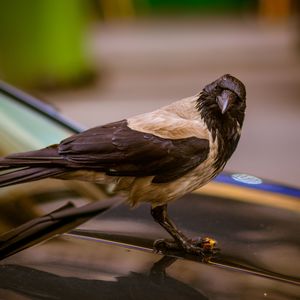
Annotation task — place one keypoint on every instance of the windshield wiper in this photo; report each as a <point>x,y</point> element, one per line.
<point>49,225</point>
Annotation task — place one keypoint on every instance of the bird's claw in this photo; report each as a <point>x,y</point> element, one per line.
<point>207,244</point>
<point>163,245</point>
<point>204,247</point>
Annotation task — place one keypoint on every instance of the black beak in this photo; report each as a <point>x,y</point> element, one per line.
<point>224,100</point>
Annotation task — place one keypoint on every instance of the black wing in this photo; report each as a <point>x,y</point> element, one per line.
<point>118,150</point>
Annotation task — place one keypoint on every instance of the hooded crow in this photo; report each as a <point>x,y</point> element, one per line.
<point>154,157</point>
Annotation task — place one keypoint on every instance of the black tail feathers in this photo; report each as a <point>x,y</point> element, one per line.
<point>28,174</point>
<point>29,166</point>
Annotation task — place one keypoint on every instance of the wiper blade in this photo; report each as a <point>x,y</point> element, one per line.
<point>47,226</point>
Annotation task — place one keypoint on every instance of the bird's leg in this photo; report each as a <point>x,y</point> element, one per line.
<point>160,215</point>
<point>199,246</point>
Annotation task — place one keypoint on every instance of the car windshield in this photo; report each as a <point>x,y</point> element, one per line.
<point>23,126</point>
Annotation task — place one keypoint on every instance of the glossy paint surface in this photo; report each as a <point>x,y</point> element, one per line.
<point>111,255</point>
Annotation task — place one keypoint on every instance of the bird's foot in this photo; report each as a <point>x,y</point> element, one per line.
<point>201,246</point>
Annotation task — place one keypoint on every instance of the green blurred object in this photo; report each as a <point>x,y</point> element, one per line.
<point>194,6</point>
<point>42,41</point>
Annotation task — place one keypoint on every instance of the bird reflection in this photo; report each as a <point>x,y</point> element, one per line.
<point>43,285</point>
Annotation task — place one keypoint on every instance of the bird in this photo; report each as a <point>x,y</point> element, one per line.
<point>154,157</point>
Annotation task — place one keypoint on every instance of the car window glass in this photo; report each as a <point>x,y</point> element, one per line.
<point>22,128</point>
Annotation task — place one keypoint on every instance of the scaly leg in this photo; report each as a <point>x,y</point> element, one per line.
<point>181,242</point>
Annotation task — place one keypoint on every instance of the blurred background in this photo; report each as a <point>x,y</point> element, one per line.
<point>103,60</point>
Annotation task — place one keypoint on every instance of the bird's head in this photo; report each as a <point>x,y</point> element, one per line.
<point>223,101</point>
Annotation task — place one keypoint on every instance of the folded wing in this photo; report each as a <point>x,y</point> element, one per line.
<point>118,150</point>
